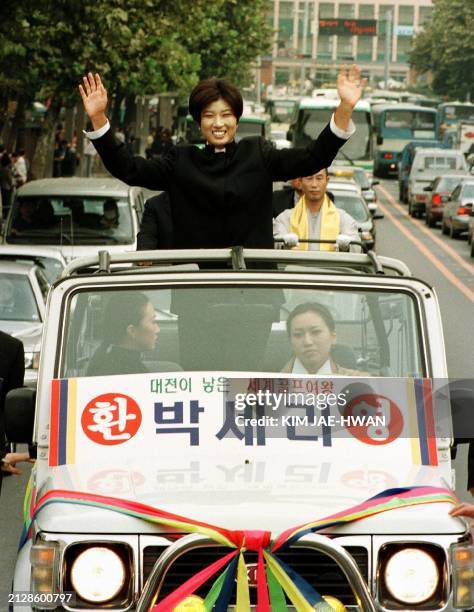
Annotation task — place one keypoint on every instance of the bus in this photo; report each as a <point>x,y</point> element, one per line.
<point>452,113</point>
<point>253,125</point>
<point>280,109</point>
<point>394,126</point>
<point>312,114</point>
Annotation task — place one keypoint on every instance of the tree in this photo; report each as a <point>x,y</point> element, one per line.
<point>446,48</point>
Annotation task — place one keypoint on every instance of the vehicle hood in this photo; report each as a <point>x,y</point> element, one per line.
<point>90,250</point>
<point>28,332</point>
<point>245,496</point>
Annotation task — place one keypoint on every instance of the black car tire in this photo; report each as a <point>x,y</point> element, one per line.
<point>452,232</point>
<point>430,222</point>
<point>472,248</point>
<point>444,228</point>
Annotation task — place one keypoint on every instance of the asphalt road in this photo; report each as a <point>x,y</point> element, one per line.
<point>442,262</point>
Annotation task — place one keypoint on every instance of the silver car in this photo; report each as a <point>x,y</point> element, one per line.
<point>23,292</point>
<point>51,261</point>
<point>457,208</point>
<point>79,216</point>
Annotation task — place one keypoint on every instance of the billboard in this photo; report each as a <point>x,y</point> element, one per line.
<point>348,27</point>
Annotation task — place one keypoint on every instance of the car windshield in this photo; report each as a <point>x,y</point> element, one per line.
<point>435,162</point>
<point>248,128</point>
<point>353,204</point>
<point>17,300</point>
<point>468,191</point>
<point>64,220</point>
<point>237,328</point>
<point>409,124</point>
<point>448,183</point>
<point>314,120</point>
<point>459,113</point>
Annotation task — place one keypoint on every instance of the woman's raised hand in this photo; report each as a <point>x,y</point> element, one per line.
<point>94,98</point>
<point>350,84</point>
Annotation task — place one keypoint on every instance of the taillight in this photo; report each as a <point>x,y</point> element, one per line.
<point>436,199</point>
<point>463,210</point>
<point>387,155</point>
<point>419,197</point>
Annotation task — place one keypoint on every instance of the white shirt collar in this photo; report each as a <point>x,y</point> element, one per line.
<point>298,368</point>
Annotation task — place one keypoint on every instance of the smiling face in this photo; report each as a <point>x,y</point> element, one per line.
<point>218,123</point>
<point>311,340</point>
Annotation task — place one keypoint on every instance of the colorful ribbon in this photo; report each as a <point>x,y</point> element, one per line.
<point>274,578</point>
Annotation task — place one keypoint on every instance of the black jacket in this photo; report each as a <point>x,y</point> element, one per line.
<point>156,227</point>
<point>220,199</point>
<point>283,199</point>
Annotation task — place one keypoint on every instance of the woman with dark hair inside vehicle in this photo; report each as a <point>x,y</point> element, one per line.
<point>220,196</point>
<point>312,332</point>
<point>129,328</point>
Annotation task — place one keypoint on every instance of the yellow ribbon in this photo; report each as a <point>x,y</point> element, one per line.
<point>243,596</point>
<point>330,223</point>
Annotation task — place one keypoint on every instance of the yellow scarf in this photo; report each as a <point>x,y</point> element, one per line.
<point>330,223</point>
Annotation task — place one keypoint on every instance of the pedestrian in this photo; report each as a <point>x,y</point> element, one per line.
<point>89,152</point>
<point>58,158</point>
<point>19,170</point>
<point>7,183</point>
<point>221,195</point>
<point>69,160</point>
<point>12,372</point>
<point>315,216</point>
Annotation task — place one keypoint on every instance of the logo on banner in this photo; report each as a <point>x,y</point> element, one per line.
<point>115,482</point>
<point>372,405</point>
<point>111,418</point>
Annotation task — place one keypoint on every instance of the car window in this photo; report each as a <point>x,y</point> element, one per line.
<point>468,191</point>
<point>17,300</point>
<point>66,220</point>
<point>433,162</point>
<point>456,193</point>
<point>353,205</point>
<point>447,183</point>
<point>375,331</point>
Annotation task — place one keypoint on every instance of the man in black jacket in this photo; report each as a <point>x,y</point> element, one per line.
<point>156,227</point>
<point>12,372</point>
<point>221,195</point>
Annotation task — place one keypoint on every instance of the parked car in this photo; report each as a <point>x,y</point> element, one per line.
<point>110,444</point>
<point>23,292</point>
<point>427,165</point>
<point>355,205</point>
<point>78,216</point>
<point>406,160</point>
<point>438,194</point>
<point>50,260</point>
<point>456,211</point>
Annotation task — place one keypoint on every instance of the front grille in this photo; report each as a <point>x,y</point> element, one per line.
<point>319,570</point>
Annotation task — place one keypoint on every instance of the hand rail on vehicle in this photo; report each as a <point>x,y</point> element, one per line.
<point>237,259</point>
<point>329,547</point>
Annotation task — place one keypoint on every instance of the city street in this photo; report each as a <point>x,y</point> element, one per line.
<point>443,263</point>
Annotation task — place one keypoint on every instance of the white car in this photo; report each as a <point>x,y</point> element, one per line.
<point>50,260</point>
<point>78,216</point>
<point>113,447</point>
<point>23,292</point>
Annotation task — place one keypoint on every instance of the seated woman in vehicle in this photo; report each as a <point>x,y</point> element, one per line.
<point>312,334</point>
<point>130,327</point>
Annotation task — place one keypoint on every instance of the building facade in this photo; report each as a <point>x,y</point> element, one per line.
<point>305,44</point>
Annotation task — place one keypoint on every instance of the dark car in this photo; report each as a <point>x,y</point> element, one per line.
<point>406,160</point>
<point>438,194</point>
<point>457,209</point>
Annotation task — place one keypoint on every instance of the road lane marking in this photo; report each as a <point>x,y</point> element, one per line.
<point>428,254</point>
<point>449,250</point>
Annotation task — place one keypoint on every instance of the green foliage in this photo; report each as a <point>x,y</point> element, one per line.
<point>446,48</point>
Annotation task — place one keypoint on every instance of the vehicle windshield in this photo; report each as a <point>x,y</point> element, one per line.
<point>65,220</point>
<point>408,124</point>
<point>17,300</point>
<point>448,183</point>
<point>454,114</point>
<point>281,111</point>
<point>445,162</point>
<point>353,205</point>
<point>249,128</point>
<point>468,191</point>
<point>312,121</point>
<point>238,328</point>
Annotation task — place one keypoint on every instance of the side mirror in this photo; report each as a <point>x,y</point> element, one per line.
<point>379,140</point>
<point>427,188</point>
<point>375,183</point>
<point>379,215</point>
<point>20,415</point>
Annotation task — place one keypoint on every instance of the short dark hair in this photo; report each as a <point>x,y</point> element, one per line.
<point>319,309</point>
<point>122,310</point>
<point>209,91</point>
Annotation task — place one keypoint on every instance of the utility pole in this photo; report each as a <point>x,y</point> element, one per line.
<point>388,46</point>
<point>304,45</point>
<point>258,80</point>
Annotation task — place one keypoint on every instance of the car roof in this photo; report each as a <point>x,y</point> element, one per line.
<point>16,250</point>
<point>378,108</point>
<point>75,186</point>
<point>14,267</point>
<point>439,151</point>
<point>344,185</point>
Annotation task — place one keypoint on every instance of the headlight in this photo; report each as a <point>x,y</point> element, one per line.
<point>32,360</point>
<point>98,574</point>
<point>411,576</point>
<point>366,235</point>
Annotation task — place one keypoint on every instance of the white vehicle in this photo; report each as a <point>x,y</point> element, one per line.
<point>427,165</point>
<point>23,292</point>
<point>77,216</point>
<point>50,260</point>
<point>175,441</point>
<point>465,136</point>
